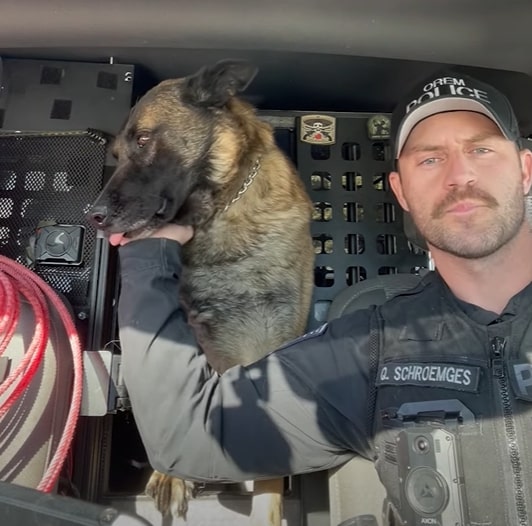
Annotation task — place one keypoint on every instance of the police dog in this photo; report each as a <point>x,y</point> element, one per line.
<point>193,153</point>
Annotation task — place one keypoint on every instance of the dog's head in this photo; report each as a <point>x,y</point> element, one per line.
<point>177,149</point>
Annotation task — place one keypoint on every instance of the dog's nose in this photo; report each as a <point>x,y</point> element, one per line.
<point>98,215</point>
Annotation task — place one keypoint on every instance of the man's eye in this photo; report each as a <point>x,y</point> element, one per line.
<point>481,151</point>
<point>429,161</point>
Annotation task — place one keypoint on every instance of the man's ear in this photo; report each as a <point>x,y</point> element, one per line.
<point>397,188</point>
<point>526,169</point>
<point>215,85</point>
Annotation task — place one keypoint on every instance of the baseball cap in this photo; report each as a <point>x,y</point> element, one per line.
<point>451,91</point>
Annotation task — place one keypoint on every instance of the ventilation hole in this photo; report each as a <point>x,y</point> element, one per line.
<point>380,182</point>
<point>351,181</point>
<point>324,276</point>
<point>107,80</point>
<point>6,207</point>
<point>321,310</point>
<point>34,181</point>
<point>387,270</point>
<point>355,275</point>
<point>2,113</point>
<point>22,234</point>
<point>50,75</point>
<point>87,208</point>
<point>323,244</point>
<point>4,236</point>
<point>380,151</point>
<point>320,181</point>
<point>319,152</point>
<point>385,213</point>
<point>8,178</point>
<point>353,212</point>
<point>322,212</point>
<point>354,244</point>
<point>60,183</point>
<point>386,244</point>
<point>25,209</point>
<point>61,109</point>
<point>350,151</point>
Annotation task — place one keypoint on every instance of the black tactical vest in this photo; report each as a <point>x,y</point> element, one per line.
<point>453,413</point>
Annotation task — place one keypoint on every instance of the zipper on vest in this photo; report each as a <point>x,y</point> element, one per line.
<point>498,346</point>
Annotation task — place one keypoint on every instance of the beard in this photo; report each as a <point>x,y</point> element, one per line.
<point>476,236</point>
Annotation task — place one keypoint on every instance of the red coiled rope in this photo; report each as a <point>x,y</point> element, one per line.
<point>15,281</point>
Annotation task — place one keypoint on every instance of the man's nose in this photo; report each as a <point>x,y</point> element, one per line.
<point>98,215</point>
<point>459,171</point>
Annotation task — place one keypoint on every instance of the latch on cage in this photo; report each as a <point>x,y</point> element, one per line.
<point>104,390</point>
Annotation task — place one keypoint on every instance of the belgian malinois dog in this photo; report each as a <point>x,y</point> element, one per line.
<point>193,153</point>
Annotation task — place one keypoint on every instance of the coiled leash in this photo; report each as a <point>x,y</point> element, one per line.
<point>17,281</point>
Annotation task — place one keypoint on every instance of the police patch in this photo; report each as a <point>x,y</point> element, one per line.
<point>521,377</point>
<point>458,377</point>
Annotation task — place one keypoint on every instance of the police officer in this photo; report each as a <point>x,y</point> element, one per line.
<point>435,386</point>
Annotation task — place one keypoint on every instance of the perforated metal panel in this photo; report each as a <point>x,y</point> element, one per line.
<point>50,177</point>
<point>357,223</point>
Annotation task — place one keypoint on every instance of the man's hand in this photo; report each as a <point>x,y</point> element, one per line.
<point>180,233</point>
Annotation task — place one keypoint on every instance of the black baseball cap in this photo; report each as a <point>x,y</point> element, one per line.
<point>451,91</point>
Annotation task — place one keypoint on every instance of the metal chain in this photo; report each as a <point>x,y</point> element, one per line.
<point>249,179</point>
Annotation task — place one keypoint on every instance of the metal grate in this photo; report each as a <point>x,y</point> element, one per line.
<point>50,177</point>
<point>357,224</point>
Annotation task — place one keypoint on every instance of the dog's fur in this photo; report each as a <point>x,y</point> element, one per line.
<point>183,156</point>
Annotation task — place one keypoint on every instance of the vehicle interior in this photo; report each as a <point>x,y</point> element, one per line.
<point>69,73</point>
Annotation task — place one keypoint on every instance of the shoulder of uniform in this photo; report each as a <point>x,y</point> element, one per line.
<point>353,323</point>
<point>428,287</point>
<point>314,333</point>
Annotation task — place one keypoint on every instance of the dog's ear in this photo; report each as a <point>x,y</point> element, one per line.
<point>215,85</point>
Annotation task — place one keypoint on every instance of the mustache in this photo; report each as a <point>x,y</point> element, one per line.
<point>456,196</point>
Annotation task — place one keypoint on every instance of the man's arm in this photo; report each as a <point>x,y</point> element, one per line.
<point>300,409</point>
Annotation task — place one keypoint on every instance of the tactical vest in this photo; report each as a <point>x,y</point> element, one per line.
<point>453,413</point>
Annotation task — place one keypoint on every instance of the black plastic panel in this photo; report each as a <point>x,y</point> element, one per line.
<point>60,95</point>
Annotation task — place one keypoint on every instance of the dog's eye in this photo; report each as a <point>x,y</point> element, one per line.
<point>142,140</point>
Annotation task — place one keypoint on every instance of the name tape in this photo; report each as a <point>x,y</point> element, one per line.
<point>449,376</point>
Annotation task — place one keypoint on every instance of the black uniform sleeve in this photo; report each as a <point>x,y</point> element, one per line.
<point>302,408</point>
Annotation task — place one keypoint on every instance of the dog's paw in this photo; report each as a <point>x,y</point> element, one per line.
<point>170,494</point>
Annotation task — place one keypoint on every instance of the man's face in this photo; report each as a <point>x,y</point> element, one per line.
<point>463,183</point>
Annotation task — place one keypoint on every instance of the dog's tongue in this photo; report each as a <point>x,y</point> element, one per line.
<point>115,239</point>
